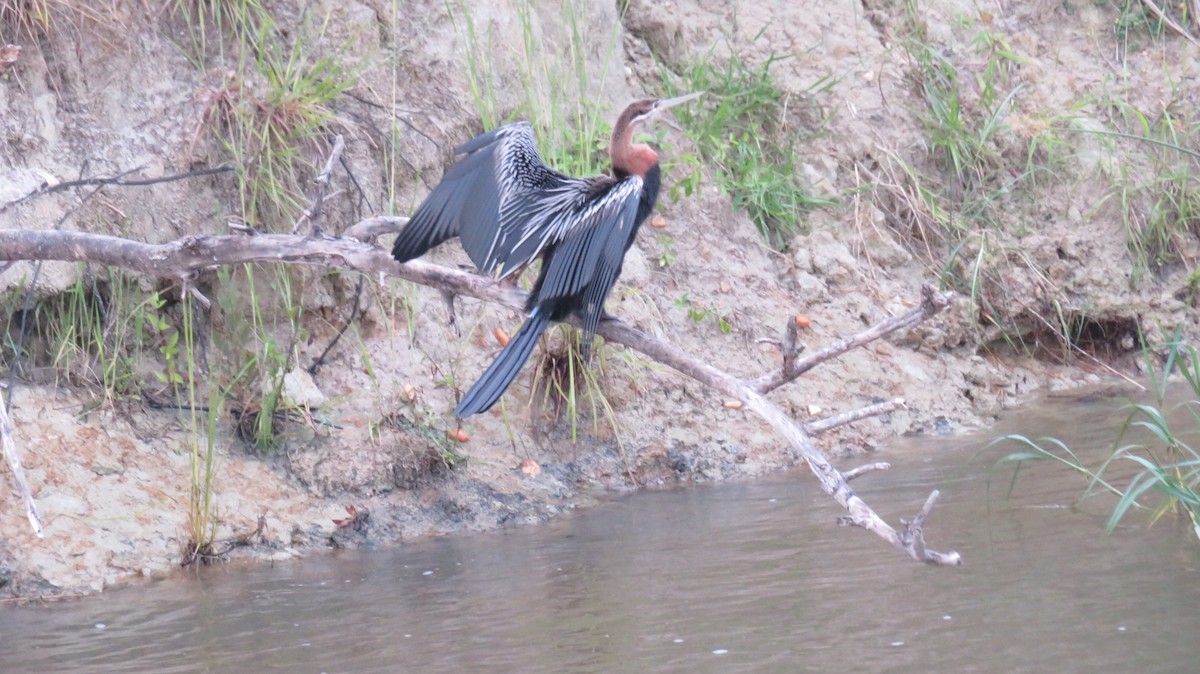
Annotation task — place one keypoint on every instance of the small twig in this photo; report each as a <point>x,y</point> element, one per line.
<point>1154,9</point>
<point>240,540</point>
<point>120,180</point>
<point>13,456</point>
<point>191,289</point>
<point>155,404</point>
<point>849,417</point>
<point>451,317</point>
<point>313,213</point>
<point>791,346</point>
<point>362,194</point>
<point>914,536</point>
<point>241,227</point>
<point>371,228</point>
<point>863,470</point>
<point>398,118</point>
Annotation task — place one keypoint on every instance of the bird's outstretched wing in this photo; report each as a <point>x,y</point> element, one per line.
<point>496,168</point>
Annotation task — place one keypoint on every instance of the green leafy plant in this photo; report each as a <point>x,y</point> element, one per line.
<point>1156,186</point>
<point>666,254</point>
<point>742,128</point>
<point>99,332</point>
<point>700,312</point>
<point>273,111</point>
<point>170,348</point>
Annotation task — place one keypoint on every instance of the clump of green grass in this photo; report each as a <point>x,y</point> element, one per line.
<point>980,162</point>
<point>441,453</point>
<point>959,205</point>
<point>1137,23</point>
<point>103,331</point>
<point>1157,185</point>
<point>27,21</point>
<point>202,454</point>
<point>742,127</point>
<point>262,326</point>
<point>274,107</point>
<point>572,126</point>
<point>211,22</point>
<point>565,385</point>
<point>24,19</point>
<point>1168,465</point>
<point>273,125</point>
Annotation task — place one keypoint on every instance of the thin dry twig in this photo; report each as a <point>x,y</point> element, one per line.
<point>120,179</point>
<point>1157,12</point>
<point>1162,16</point>
<point>914,533</point>
<point>313,213</point>
<point>863,470</point>
<point>372,228</point>
<point>849,417</point>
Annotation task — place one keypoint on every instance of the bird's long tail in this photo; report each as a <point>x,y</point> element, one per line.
<point>504,369</point>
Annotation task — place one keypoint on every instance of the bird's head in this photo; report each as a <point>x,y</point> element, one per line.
<point>627,157</point>
<point>649,109</point>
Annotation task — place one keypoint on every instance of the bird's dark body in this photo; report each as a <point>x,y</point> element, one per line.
<point>508,208</point>
<point>559,308</point>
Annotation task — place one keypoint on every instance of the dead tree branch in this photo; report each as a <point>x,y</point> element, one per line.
<point>932,303</point>
<point>184,258</point>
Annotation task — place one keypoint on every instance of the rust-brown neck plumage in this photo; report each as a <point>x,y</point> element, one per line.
<point>629,158</point>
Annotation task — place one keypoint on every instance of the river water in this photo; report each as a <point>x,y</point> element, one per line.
<point>751,577</point>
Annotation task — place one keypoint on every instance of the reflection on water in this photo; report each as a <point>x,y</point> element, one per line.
<point>749,577</point>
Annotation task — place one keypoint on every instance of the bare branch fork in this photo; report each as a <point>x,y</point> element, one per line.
<point>184,258</point>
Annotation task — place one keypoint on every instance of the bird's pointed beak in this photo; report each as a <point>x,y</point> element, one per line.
<point>672,102</point>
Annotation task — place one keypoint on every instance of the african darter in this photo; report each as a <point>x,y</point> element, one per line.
<point>508,207</point>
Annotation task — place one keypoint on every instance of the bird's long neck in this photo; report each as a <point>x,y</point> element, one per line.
<point>629,158</point>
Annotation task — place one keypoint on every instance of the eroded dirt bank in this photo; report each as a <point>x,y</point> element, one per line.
<point>102,94</point>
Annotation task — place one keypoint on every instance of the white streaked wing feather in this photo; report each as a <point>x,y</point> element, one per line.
<point>548,216</point>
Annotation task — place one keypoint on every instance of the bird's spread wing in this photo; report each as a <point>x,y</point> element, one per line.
<point>496,168</point>
<point>506,205</point>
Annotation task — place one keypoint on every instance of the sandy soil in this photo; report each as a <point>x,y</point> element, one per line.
<point>108,95</point>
